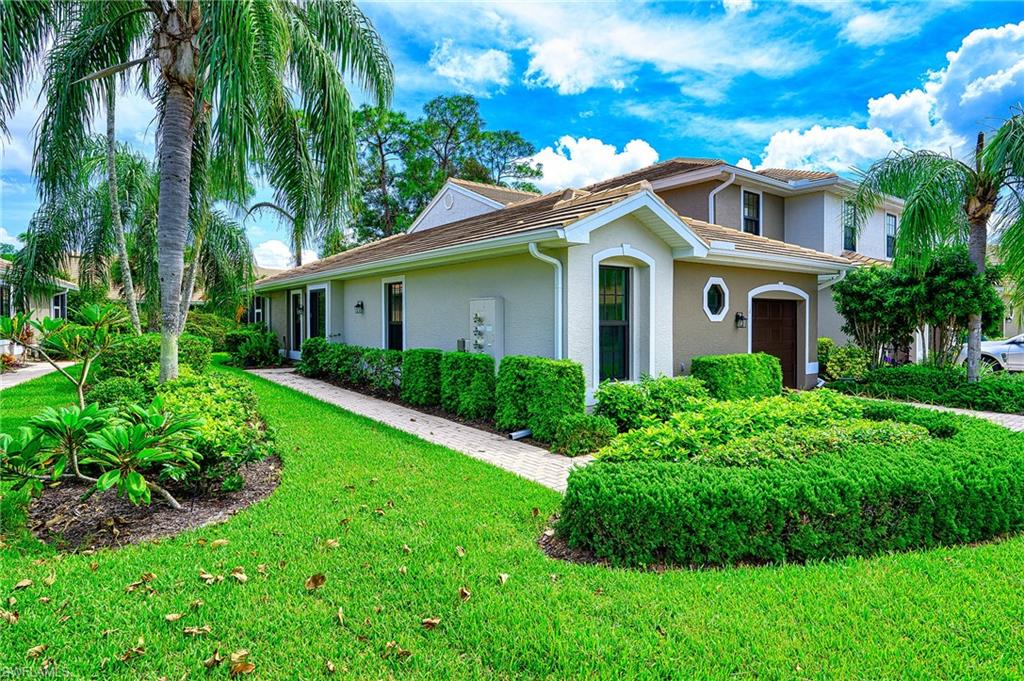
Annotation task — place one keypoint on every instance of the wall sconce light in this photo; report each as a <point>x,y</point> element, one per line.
<point>360,308</point>
<point>741,320</point>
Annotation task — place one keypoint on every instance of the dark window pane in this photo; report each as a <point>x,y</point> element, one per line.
<point>393,295</point>
<point>317,313</point>
<point>890,235</point>
<point>751,212</point>
<point>613,316</point>
<point>849,228</point>
<point>716,299</point>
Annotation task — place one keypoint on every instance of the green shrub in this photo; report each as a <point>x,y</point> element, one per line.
<point>421,377</point>
<point>686,434</point>
<point>259,349</point>
<point>733,377</point>
<point>579,434</point>
<point>120,391</point>
<point>825,348</point>
<point>210,325</point>
<point>861,500</point>
<point>845,361</point>
<point>537,393</point>
<point>467,384</point>
<point>948,386</point>
<point>382,370</point>
<point>628,405</point>
<point>136,355</point>
<point>314,355</point>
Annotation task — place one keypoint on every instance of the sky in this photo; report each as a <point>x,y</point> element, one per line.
<point>604,88</point>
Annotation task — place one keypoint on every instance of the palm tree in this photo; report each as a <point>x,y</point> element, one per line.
<point>949,200</point>
<point>240,62</point>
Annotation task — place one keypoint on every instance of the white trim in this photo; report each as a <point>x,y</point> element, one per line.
<point>714,193</point>
<point>326,288</point>
<point>647,205</point>
<point>556,264</point>
<point>704,300</point>
<point>294,354</point>
<point>808,366</point>
<point>745,189</point>
<point>468,193</point>
<point>63,307</point>
<point>627,251</point>
<point>384,311</point>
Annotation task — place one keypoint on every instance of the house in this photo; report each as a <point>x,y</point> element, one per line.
<point>620,276</point>
<point>51,304</point>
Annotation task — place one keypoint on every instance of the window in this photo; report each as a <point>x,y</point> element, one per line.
<point>256,313</point>
<point>716,299</point>
<point>890,235</point>
<point>317,313</point>
<point>849,227</point>
<point>394,332</point>
<point>60,305</point>
<point>5,300</point>
<point>751,212</point>
<point>613,318</point>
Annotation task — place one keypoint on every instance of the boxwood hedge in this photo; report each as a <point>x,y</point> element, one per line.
<point>467,384</point>
<point>421,377</point>
<point>134,357</point>
<point>628,405</point>
<point>538,393</point>
<point>733,377</point>
<point>861,500</point>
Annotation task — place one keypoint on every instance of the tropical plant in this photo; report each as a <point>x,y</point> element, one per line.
<point>24,461</point>
<point>949,200</point>
<point>67,430</point>
<point>241,64</point>
<point>83,342</point>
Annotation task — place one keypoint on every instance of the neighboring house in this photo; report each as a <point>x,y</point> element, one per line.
<point>612,276</point>
<point>51,304</point>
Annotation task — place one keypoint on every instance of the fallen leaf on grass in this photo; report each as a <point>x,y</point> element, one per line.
<point>108,632</point>
<point>398,651</point>
<point>137,651</point>
<point>209,578</point>
<point>50,579</point>
<point>36,651</point>
<point>460,552</point>
<point>217,543</point>
<point>402,570</point>
<point>239,574</point>
<point>44,599</point>
<point>23,584</point>
<point>213,660</point>
<point>535,511</point>
<point>240,663</point>
<point>406,548</point>
<point>173,617</point>
<point>197,631</point>
<point>464,593</point>
<point>315,582</point>
<point>197,603</point>
<point>331,544</point>
<point>502,578</point>
<point>330,667</point>
<point>261,568</point>
<point>9,616</point>
<point>430,622</point>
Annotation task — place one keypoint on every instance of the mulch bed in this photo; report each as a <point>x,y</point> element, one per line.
<point>60,517</point>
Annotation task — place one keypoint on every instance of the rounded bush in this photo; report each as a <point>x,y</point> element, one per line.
<point>119,391</point>
<point>580,434</point>
<point>733,377</point>
<point>134,357</point>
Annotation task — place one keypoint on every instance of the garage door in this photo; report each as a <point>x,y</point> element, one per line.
<point>774,332</point>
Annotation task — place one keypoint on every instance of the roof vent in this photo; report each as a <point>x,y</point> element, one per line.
<point>568,194</point>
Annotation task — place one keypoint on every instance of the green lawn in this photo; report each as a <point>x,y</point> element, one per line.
<point>945,613</point>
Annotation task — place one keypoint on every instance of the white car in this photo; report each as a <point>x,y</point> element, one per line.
<point>1001,355</point>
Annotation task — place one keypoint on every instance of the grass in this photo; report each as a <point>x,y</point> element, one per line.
<point>944,613</point>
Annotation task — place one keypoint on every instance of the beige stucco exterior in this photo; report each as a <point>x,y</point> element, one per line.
<point>692,201</point>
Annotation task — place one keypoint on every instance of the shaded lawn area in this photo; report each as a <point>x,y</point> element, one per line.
<point>953,613</point>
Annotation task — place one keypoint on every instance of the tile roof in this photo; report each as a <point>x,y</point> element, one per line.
<point>751,243</point>
<point>787,175</point>
<point>503,195</point>
<point>860,259</point>
<point>668,168</point>
<point>58,282</point>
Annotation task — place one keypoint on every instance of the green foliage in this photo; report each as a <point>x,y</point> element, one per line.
<point>731,377</point>
<point>421,377</point>
<point>825,348</point>
<point>579,434</point>
<point>537,393</point>
<point>314,352</point>
<point>947,386</point>
<point>24,461</point>
<point>467,384</point>
<point>257,347</point>
<point>860,499</point>
<point>210,325</point>
<point>842,361</point>
<point>119,392</point>
<point>374,369</point>
<point>134,357</point>
<point>687,434</point>
<point>629,405</point>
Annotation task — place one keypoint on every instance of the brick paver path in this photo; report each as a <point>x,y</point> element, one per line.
<point>527,461</point>
<point>1011,421</point>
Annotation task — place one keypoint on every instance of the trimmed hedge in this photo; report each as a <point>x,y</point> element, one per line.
<point>258,348</point>
<point>628,405</point>
<point>580,434</point>
<point>135,356</point>
<point>210,325</point>
<point>863,500</point>
<point>119,391</point>
<point>314,355</point>
<point>734,377</point>
<point>467,384</point>
<point>374,369</point>
<point>421,377</point>
<point>948,386</point>
<point>538,393</point>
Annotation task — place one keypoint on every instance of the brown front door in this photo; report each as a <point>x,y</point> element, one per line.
<point>774,332</point>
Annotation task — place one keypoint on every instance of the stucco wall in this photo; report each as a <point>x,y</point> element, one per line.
<point>870,240</point>
<point>581,297</point>
<point>690,201</point>
<point>695,334</point>
<point>279,315</point>
<point>773,223</point>
<point>451,206</point>
<point>804,220</point>
<point>830,322</point>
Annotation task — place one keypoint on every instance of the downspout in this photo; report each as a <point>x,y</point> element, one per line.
<point>557,265</point>
<point>713,192</point>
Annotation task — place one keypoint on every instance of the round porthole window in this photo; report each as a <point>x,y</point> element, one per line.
<point>716,299</point>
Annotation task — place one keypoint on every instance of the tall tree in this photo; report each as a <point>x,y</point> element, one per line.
<point>951,201</point>
<point>243,61</point>
<point>504,154</point>
<point>382,135</point>
<point>115,210</point>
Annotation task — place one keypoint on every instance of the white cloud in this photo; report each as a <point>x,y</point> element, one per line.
<point>884,26</point>
<point>834,149</point>
<point>745,163</point>
<point>276,254</point>
<point>737,6</point>
<point>575,162</point>
<point>474,71</point>
<point>8,238</point>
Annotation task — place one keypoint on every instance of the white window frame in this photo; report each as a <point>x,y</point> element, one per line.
<point>760,211</point>
<point>258,306</point>
<point>704,301</point>
<point>384,311</point>
<point>295,354</point>
<point>63,308</point>
<point>626,251</point>
<point>895,229</point>
<point>327,309</point>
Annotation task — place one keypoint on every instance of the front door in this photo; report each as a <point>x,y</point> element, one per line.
<point>613,320</point>
<point>774,332</point>
<point>295,324</point>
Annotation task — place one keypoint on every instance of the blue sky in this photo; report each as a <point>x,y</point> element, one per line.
<point>602,88</point>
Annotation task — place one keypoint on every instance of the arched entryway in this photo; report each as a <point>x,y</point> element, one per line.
<point>779,324</point>
<point>623,303</point>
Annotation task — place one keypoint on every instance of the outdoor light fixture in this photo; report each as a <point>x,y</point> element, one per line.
<point>741,320</point>
<point>360,308</point>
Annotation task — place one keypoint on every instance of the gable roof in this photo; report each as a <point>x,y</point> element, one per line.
<point>58,283</point>
<point>503,195</point>
<point>668,168</point>
<point>862,260</point>
<point>789,175</point>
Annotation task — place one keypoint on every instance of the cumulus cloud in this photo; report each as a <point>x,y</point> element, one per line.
<point>745,163</point>
<point>575,162</point>
<point>737,6</point>
<point>474,71</point>
<point>976,89</point>
<point>8,238</point>
<point>880,27</point>
<point>276,254</point>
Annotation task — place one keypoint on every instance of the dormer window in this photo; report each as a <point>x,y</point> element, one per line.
<point>849,227</point>
<point>751,212</point>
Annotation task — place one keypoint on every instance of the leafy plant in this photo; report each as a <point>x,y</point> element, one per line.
<point>67,432</point>
<point>580,434</point>
<point>537,393</point>
<point>24,461</point>
<point>629,405</point>
<point>421,377</point>
<point>730,377</point>
<point>119,391</point>
<point>258,348</point>
<point>844,361</point>
<point>467,384</point>
<point>135,356</point>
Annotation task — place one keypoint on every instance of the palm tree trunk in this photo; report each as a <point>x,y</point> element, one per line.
<point>977,245</point>
<point>172,218</point>
<point>115,213</point>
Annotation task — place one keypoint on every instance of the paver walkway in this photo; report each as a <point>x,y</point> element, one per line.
<point>527,461</point>
<point>1011,421</point>
<point>28,372</point>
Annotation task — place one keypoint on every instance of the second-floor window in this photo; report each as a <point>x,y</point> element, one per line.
<point>751,212</point>
<point>5,300</point>
<point>890,235</point>
<point>849,227</point>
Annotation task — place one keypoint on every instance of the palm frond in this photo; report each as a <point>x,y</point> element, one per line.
<point>1005,150</point>
<point>26,26</point>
